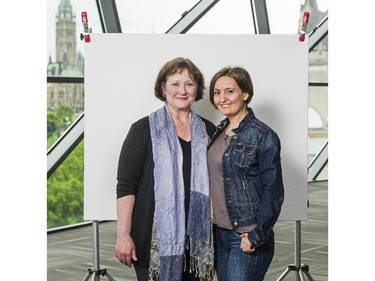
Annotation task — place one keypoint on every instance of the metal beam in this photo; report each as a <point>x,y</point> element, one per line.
<point>318,163</point>
<point>65,80</point>
<point>260,16</point>
<point>108,16</point>
<point>318,33</point>
<point>65,145</point>
<point>188,19</point>
<point>318,84</point>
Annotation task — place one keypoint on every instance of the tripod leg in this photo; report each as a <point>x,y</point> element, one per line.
<point>109,276</point>
<point>300,273</point>
<point>309,276</point>
<point>305,269</point>
<point>284,274</point>
<point>89,273</point>
<point>95,277</point>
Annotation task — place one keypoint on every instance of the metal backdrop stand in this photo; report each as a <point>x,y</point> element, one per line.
<point>95,272</point>
<point>298,267</point>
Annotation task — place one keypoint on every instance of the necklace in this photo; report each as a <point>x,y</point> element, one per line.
<point>229,131</point>
<point>234,124</point>
<point>227,137</point>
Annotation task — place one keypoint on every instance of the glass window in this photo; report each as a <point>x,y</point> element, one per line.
<point>65,102</point>
<point>151,16</point>
<point>318,62</point>
<point>318,91</point>
<point>318,102</point>
<point>284,16</point>
<point>65,191</point>
<point>226,17</point>
<point>65,59</point>
<point>64,26</point>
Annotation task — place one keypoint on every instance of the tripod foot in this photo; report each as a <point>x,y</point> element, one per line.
<point>302,269</point>
<point>285,273</point>
<point>96,275</point>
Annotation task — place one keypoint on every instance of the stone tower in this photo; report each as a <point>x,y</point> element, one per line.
<point>66,46</point>
<point>69,63</point>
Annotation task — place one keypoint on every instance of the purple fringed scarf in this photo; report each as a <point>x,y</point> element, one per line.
<point>170,237</point>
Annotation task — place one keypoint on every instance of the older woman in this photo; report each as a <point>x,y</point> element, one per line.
<point>163,204</point>
<point>245,180</point>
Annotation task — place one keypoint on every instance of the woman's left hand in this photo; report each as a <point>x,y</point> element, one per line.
<point>246,244</point>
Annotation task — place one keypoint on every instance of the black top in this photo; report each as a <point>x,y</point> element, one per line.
<point>135,177</point>
<point>186,165</point>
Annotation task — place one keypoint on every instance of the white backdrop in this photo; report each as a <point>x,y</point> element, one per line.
<point>120,70</point>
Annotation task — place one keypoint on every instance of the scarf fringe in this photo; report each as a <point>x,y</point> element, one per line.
<point>154,269</point>
<point>202,258</point>
<point>204,271</point>
<point>153,276</point>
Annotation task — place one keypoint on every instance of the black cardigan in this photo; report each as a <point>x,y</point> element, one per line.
<point>135,177</point>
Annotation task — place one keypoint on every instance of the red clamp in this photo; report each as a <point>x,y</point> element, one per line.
<point>302,30</point>
<point>86,30</point>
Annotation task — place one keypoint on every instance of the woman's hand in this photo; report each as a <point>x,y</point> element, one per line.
<point>125,250</point>
<point>246,244</point>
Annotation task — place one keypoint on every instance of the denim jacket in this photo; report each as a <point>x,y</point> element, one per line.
<point>253,186</point>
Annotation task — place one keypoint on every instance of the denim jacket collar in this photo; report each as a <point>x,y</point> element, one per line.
<point>250,115</point>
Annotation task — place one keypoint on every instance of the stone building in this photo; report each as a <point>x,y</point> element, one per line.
<point>68,62</point>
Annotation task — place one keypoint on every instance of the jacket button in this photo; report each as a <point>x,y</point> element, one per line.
<point>235,223</point>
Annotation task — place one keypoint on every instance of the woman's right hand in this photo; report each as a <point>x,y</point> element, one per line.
<point>125,250</point>
<point>246,244</point>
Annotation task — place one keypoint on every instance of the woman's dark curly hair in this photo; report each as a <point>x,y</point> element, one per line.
<point>176,66</point>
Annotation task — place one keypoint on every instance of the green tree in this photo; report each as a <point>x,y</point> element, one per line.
<point>54,124</point>
<point>57,122</point>
<point>65,191</point>
<point>66,114</point>
<point>65,185</point>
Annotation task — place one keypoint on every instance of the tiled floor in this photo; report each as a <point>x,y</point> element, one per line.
<point>70,252</point>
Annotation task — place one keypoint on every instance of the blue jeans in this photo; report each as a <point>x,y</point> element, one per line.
<point>232,264</point>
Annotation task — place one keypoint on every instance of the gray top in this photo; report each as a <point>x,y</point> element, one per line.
<point>214,157</point>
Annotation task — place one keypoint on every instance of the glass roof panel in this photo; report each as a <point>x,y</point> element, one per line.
<point>146,16</point>
<point>284,16</point>
<point>226,17</point>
